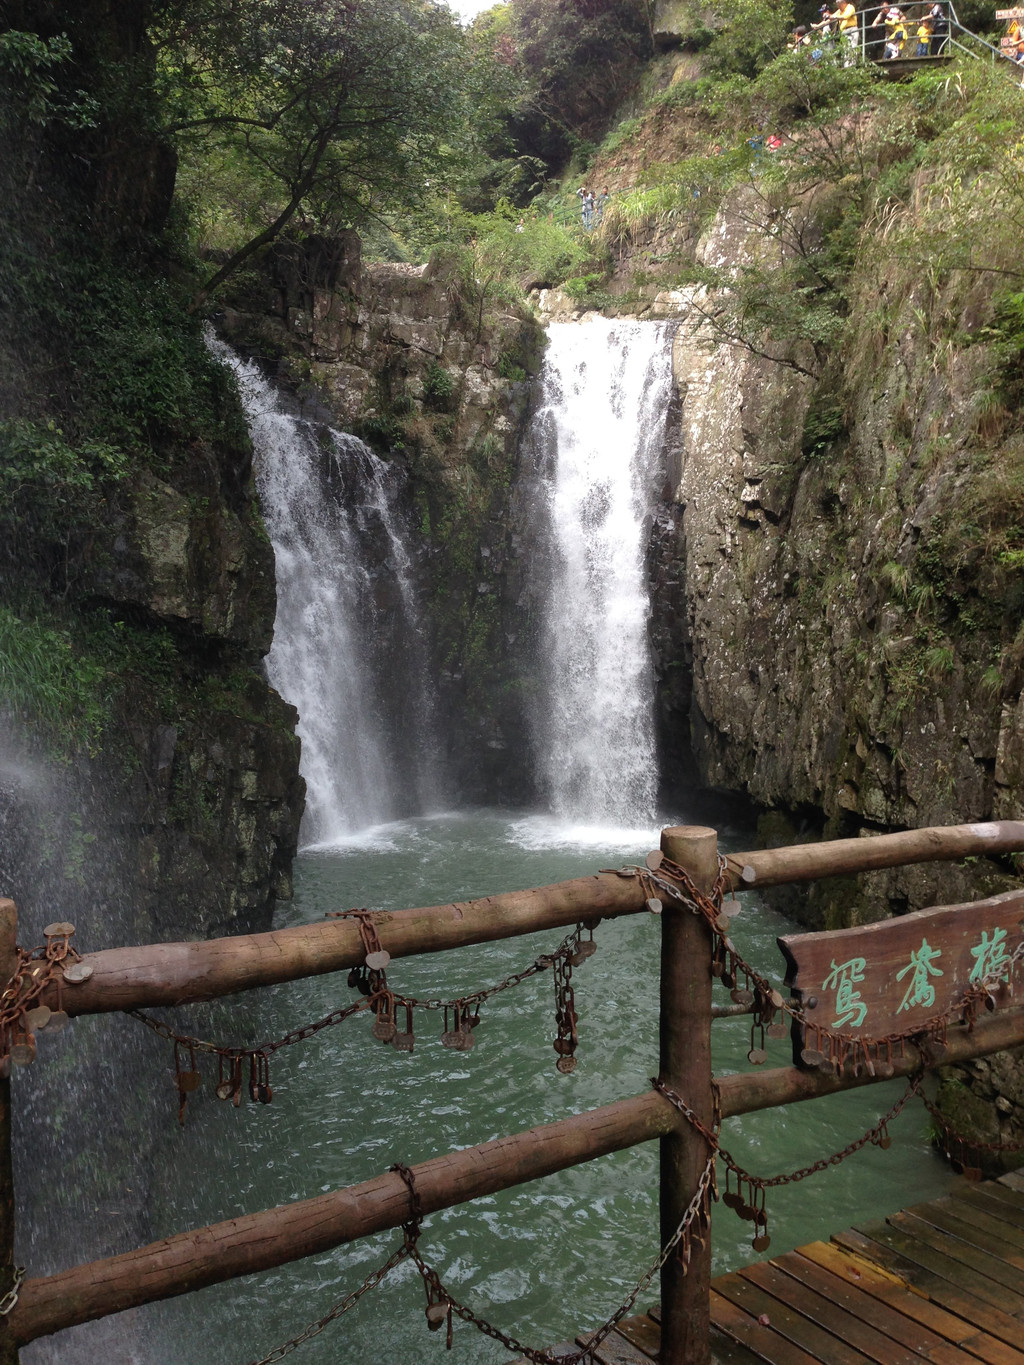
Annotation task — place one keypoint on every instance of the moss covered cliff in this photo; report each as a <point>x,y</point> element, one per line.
<point>844,594</point>
<point>147,766</point>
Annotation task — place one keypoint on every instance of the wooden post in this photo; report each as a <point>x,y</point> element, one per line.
<point>685,1038</point>
<point>8,963</point>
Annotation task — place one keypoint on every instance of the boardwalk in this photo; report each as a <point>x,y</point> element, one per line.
<point>942,1282</point>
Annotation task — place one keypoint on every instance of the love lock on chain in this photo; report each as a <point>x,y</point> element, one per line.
<point>461,1017</point>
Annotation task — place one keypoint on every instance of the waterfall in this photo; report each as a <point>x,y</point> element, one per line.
<point>598,436</point>
<point>349,650</point>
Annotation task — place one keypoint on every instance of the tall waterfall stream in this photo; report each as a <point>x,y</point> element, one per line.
<point>345,599</point>
<point>601,424</point>
<point>547,1259</point>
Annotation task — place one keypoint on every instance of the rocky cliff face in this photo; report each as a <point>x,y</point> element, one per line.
<point>436,379</point>
<point>845,661</point>
<point>834,615</point>
<point>159,795</point>
<point>836,603</point>
<point>179,814</point>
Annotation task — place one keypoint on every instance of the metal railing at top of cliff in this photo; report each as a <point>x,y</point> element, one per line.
<point>687,882</point>
<point>957,39</point>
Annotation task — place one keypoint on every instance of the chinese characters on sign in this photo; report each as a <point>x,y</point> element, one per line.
<point>991,962</point>
<point>920,991</point>
<point>850,1008</point>
<point>884,980</point>
<point>991,958</point>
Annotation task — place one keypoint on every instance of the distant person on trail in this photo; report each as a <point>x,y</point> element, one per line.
<point>924,38</point>
<point>800,39</point>
<point>601,203</point>
<point>586,199</point>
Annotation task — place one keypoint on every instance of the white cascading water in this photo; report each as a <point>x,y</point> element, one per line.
<point>345,596</point>
<point>599,432</point>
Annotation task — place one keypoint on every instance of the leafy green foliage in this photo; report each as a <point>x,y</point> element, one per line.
<point>528,253</point>
<point>571,66</point>
<point>438,388</point>
<point>29,67</point>
<point>824,424</point>
<point>62,675</point>
<point>495,258</point>
<point>44,680</point>
<point>746,35</point>
<point>328,114</point>
<point>39,467</point>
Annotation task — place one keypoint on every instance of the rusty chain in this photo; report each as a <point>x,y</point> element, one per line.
<point>53,963</point>
<point>11,1297</point>
<point>410,1231</point>
<point>753,1209</point>
<point>963,1151</point>
<point>342,1306</point>
<point>442,1305</point>
<point>833,1050</point>
<point>371,981</point>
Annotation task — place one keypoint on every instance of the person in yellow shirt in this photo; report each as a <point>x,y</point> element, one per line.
<point>924,38</point>
<point>845,15</point>
<point>895,33</point>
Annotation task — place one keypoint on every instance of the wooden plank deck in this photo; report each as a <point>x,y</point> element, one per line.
<point>940,1282</point>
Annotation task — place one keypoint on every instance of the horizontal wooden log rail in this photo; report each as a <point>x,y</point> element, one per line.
<point>260,1241</point>
<point>181,973</point>
<point>842,857</point>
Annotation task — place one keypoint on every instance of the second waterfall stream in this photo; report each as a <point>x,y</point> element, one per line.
<point>598,436</point>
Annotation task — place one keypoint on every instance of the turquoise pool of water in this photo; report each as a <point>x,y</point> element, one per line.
<point>542,1260</point>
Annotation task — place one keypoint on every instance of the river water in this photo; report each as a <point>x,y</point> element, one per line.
<point>543,1260</point>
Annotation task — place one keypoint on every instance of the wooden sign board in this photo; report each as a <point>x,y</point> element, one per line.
<point>1017,13</point>
<point>886,978</point>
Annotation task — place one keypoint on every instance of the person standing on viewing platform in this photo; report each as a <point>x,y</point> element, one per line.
<point>824,26</point>
<point>845,15</point>
<point>940,29</point>
<point>895,33</point>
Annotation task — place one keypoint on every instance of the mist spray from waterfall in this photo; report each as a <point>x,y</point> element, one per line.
<point>349,650</point>
<point>599,432</point>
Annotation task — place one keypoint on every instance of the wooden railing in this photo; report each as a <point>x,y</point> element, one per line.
<point>169,974</point>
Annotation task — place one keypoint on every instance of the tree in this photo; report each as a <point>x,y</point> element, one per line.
<point>577,60</point>
<point>344,110</point>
